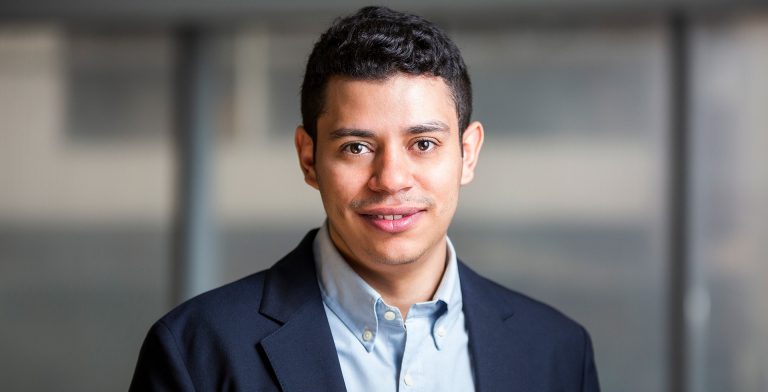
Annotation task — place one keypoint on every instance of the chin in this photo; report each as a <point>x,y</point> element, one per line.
<point>394,259</point>
<point>390,256</point>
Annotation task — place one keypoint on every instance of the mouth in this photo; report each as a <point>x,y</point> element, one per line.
<point>392,220</point>
<point>390,217</point>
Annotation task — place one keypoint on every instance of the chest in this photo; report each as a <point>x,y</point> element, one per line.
<point>417,355</point>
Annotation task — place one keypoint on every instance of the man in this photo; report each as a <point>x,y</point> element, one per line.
<point>375,300</point>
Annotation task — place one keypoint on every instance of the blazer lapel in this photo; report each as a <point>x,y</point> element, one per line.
<point>301,352</point>
<point>496,365</point>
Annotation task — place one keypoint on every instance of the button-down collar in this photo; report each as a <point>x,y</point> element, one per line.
<point>361,308</point>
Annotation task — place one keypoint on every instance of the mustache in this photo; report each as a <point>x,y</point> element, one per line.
<point>386,200</point>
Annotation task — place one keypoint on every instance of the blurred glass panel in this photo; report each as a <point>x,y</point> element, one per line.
<point>262,205</point>
<point>135,64</point>
<point>729,274</point>
<point>84,239</point>
<point>288,53</point>
<point>589,81</point>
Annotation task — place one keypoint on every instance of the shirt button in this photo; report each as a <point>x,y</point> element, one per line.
<point>389,315</point>
<point>367,335</point>
<point>441,331</point>
<point>408,380</point>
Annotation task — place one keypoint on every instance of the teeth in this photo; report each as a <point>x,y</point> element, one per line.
<point>389,217</point>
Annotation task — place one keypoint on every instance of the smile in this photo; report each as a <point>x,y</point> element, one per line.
<point>389,217</point>
<point>393,222</point>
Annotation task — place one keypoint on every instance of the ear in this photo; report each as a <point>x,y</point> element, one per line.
<point>471,142</point>
<point>305,150</point>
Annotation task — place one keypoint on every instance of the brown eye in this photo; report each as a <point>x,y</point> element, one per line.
<point>356,148</point>
<point>425,145</point>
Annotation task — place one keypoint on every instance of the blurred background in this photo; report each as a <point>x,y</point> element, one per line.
<point>146,155</point>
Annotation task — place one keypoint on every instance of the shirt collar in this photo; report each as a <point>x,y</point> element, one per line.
<point>355,302</point>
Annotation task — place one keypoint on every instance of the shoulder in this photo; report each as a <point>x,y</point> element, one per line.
<point>551,349</point>
<point>519,311</point>
<point>224,306</point>
<point>241,302</point>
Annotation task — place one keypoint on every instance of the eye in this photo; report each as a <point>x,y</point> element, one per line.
<point>425,145</point>
<point>356,148</point>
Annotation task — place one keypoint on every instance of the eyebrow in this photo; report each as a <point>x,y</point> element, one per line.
<point>351,132</point>
<point>431,126</point>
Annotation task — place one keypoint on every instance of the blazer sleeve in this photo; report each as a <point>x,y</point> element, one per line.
<point>160,366</point>
<point>589,380</point>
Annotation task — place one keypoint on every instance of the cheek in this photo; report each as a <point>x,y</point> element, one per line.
<point>340,184</point>
<point>443,184</point>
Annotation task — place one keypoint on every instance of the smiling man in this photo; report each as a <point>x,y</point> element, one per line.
<point>375,299</point>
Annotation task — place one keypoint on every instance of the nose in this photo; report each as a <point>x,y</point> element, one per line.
<point>392,172</point>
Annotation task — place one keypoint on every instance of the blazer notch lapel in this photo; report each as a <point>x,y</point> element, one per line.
<point>495,362</point>
<point>291,282</point>
<point>302,353</point>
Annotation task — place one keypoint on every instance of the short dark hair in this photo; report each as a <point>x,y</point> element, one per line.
<point>374,44</point>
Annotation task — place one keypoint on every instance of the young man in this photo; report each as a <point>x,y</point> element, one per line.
<point>375,300</point>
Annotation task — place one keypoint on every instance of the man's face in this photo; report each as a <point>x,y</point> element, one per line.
<point>389,165</point>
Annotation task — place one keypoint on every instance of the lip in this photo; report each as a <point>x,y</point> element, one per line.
<point>392,220</point>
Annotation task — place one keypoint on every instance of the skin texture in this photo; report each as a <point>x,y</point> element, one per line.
<point>390,147</point>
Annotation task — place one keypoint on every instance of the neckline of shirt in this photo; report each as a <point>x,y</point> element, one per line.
<point>355,302</point>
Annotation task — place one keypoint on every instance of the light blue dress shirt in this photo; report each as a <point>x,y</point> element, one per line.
<point>377,349</point>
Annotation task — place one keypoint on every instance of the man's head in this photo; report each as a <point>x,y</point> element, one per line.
<point>385,142</point>
<point>375,43</point>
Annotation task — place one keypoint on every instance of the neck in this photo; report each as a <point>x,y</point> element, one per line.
<point>403,285</point>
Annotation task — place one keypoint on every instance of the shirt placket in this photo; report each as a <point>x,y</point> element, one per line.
<point>418,347</point>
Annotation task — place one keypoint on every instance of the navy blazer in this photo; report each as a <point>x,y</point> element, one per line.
<point>269,332</point>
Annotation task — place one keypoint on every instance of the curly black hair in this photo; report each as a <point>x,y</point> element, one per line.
<point>373,44</point>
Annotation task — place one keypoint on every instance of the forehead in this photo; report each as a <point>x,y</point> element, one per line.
<point>397,101</point>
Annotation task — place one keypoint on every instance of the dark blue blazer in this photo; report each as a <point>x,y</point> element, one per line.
<point>269,332</point>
